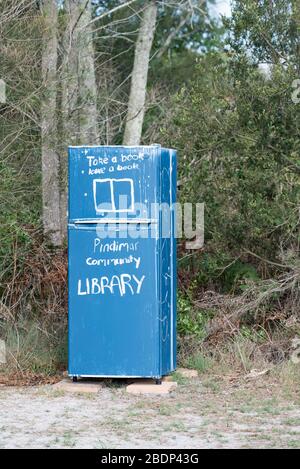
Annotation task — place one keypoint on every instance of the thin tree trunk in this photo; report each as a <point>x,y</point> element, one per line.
<point>69,75</point>
<point>88,123</point>
<point>137,97</point>
<point>50,158</point>
<point>70,134</point>
<point>79,91</point>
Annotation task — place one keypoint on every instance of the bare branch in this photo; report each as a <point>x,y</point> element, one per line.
<point>110,12</point>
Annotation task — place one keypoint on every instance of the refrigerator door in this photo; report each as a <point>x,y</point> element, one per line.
<point>115,182</point>
<point>167,259</point>
<point>114,320</point>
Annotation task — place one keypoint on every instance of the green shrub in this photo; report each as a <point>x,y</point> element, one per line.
<point>239,147</point>
<point>190,319</point>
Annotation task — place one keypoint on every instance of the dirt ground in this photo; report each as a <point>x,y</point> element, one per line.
<point>201,413</point>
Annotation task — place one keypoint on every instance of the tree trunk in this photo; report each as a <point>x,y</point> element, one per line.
<point>50,159</point>
<point>88,122</point>
<point>137,98</point>
<point>70,134</point>
<point>79,91</point>
<point>69,76</point>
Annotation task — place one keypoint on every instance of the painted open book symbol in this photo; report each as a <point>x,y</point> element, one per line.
<point>113,195</point>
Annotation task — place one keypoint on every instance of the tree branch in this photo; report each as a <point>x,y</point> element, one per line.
<point>110,12</point>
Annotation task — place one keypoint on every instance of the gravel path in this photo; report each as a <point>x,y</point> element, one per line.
<point>196,415</point>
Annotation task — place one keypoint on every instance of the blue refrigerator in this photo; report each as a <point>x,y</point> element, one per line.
<point>122,261</point>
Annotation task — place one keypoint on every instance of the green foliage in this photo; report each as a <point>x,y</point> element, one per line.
<point>17,218</point>
<point>237,131</point>
<point>256,336</point>
<point>170,67</point>
<point>20,191</point>
<point>179,379</point>
<point>190,319</point>
<point>199,33</point>
<point>268,29</point>
<point>238,275</point>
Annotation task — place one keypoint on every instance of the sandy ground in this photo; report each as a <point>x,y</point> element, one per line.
<point>201,413</point>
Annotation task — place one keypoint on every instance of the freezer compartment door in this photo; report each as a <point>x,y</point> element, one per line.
<point>112,182</point>
<point>114,326</point>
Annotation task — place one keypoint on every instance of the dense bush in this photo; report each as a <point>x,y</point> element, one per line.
<point>237,131</point>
